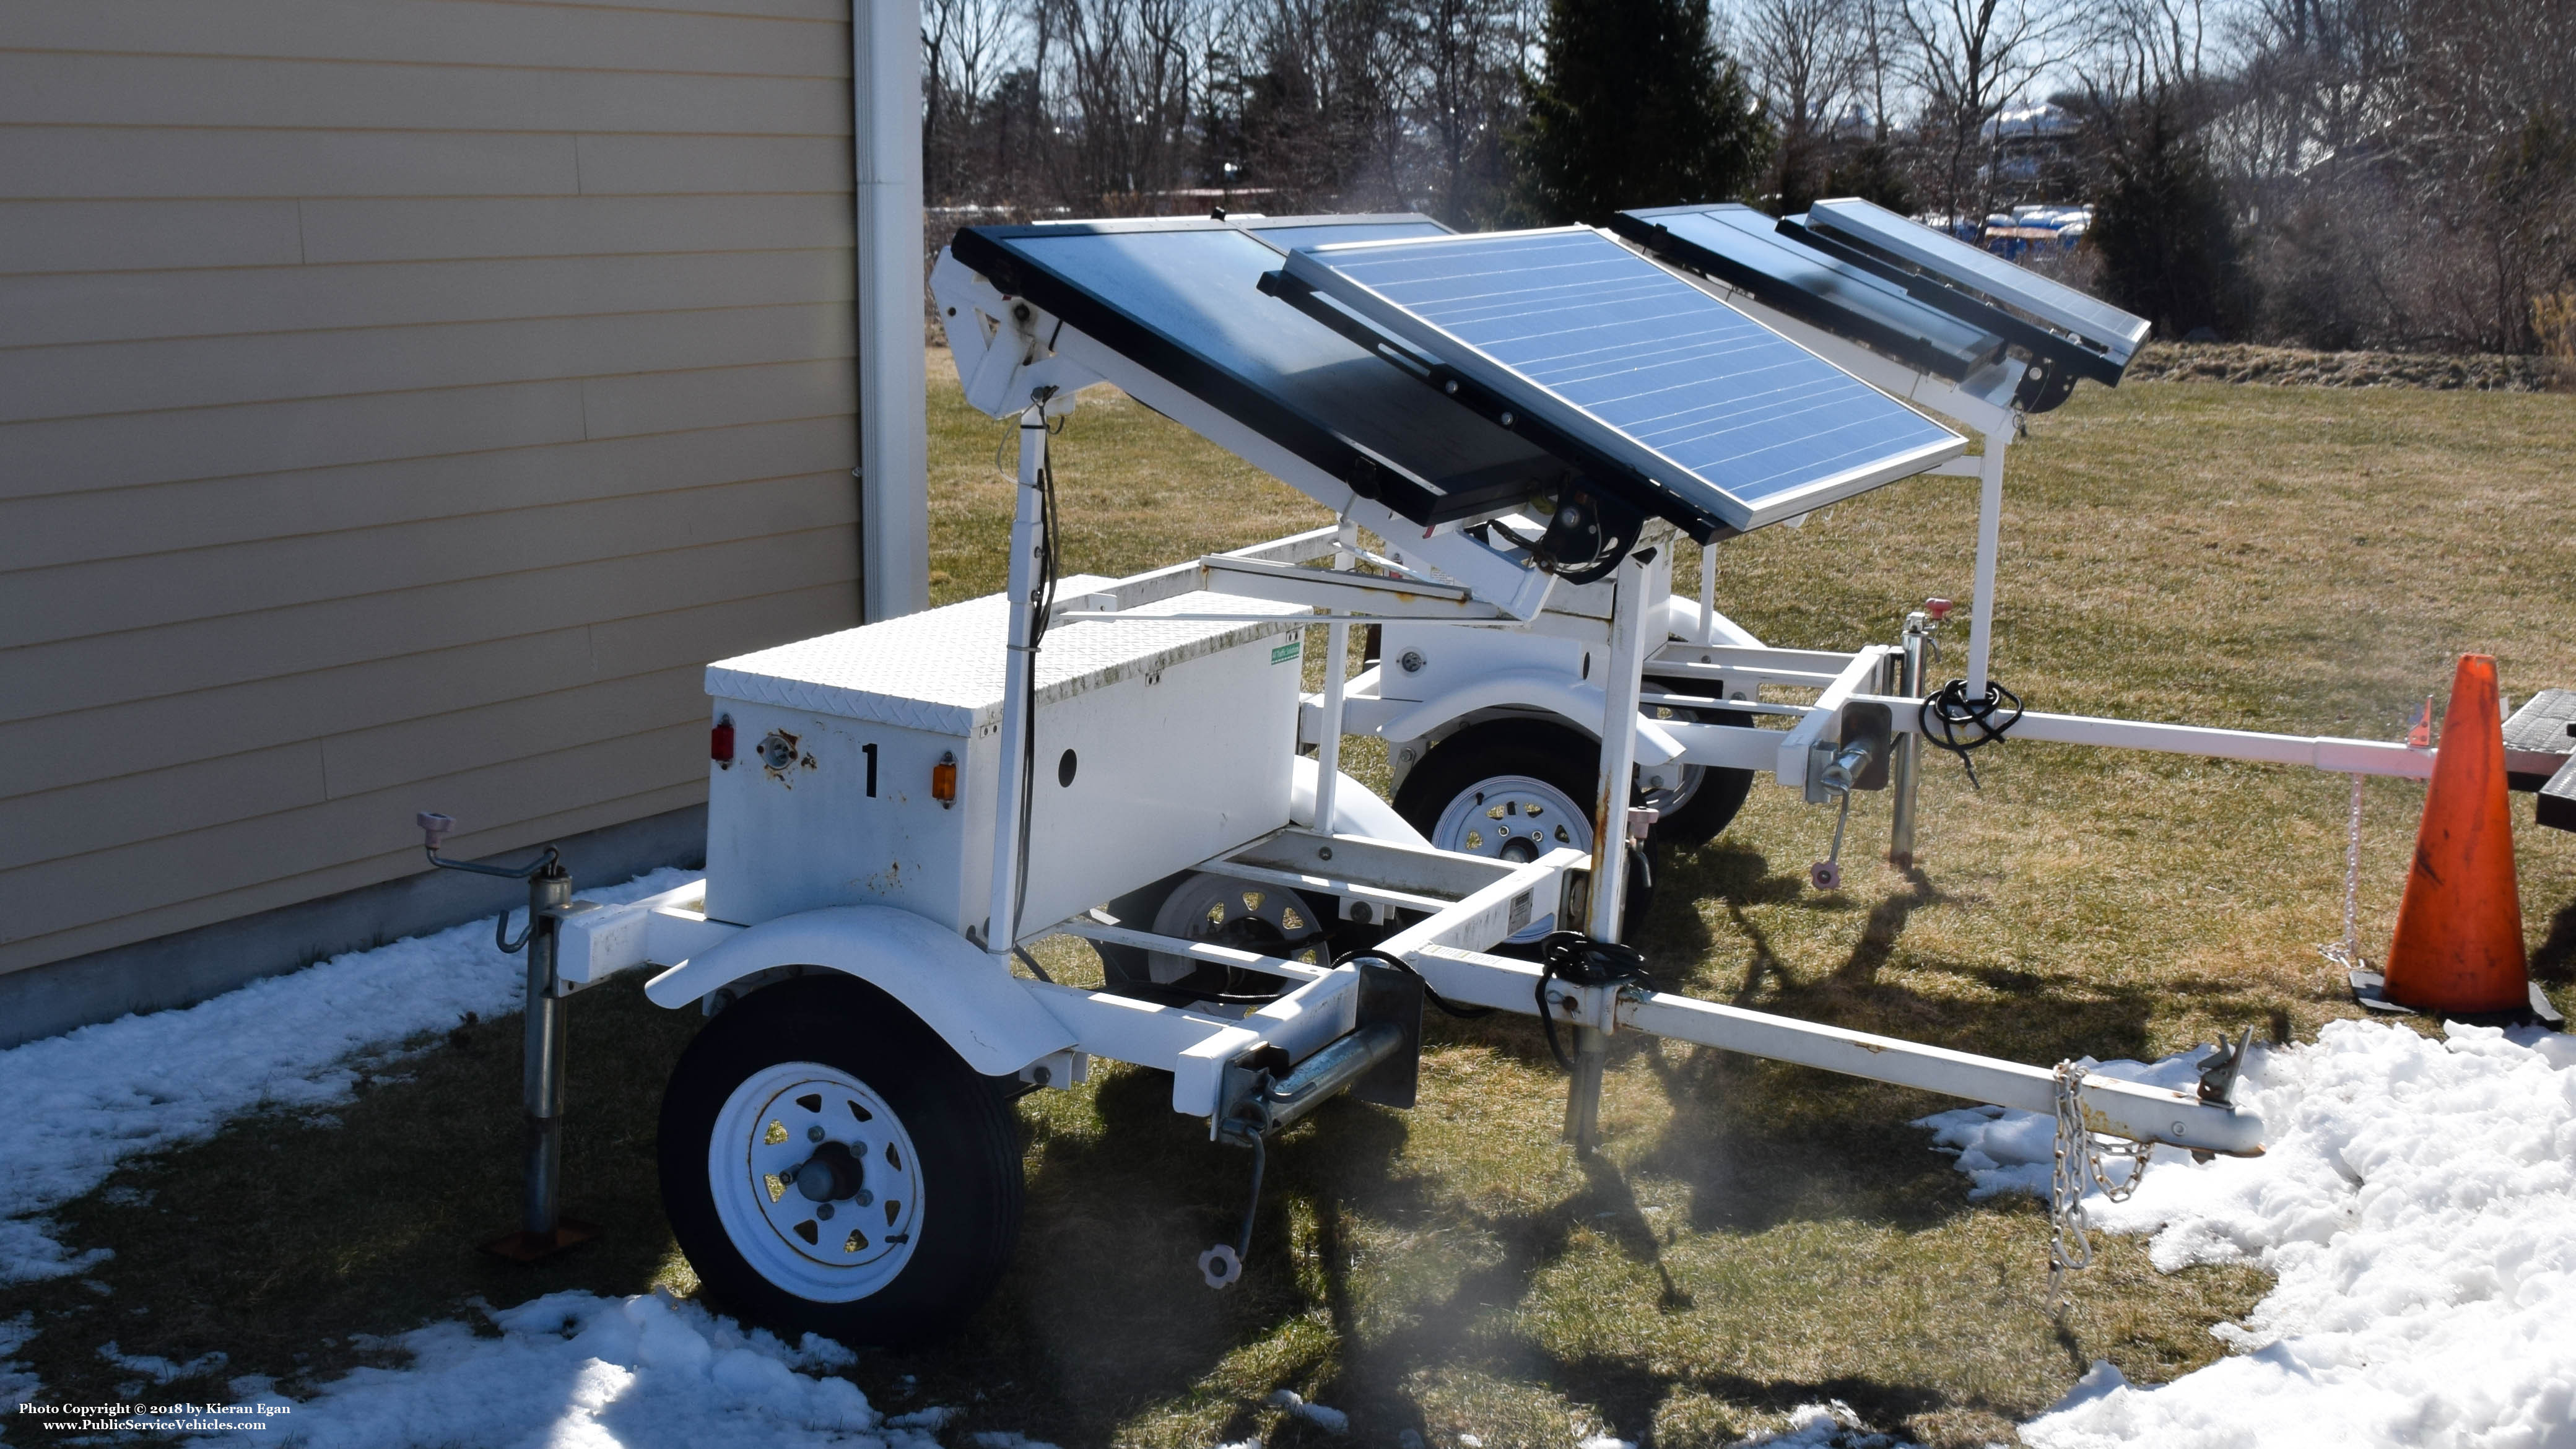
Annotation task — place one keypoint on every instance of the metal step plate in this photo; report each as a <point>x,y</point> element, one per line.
<point>2538,739</point>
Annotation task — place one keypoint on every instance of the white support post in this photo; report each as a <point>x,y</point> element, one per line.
<point>894,441</point>
<point>1337,649</point>
<point>1621,683</point>
<point>1028,534</point>
<point>1990,522</point>
<point>1708,593</point>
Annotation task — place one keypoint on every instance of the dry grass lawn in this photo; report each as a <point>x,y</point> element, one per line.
<point>1757,1236</point>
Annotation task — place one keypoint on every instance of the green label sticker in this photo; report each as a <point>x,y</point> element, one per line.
<point>1286,652</point>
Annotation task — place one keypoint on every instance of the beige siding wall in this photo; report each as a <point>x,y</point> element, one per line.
<point>399,401</point>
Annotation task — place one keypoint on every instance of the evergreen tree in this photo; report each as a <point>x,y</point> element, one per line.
<point>2166,235</point>
<point>1638,107</point>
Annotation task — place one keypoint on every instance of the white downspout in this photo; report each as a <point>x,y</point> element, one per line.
<point>894,444</point>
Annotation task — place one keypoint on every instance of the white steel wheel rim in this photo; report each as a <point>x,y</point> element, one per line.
<point>1207,906</point>
<point>834,1249</point>
<point>1514,817</point>
<point>1670,801</point>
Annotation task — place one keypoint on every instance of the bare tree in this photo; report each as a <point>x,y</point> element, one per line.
<point>1807,58</point>
<point>1967,60</point>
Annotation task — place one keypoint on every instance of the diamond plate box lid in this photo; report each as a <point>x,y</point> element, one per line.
<point>940,670</point>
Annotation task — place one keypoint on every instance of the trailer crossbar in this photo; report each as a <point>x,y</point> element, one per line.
<point>2113,1107</point>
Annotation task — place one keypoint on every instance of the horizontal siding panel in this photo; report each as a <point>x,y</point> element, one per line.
<point>87,236</point>
<point>57,894</point>
<point>393,864</point>
<point>444,32</point>
<point>82,674</point>
<point>108,161</point>
<point>74,601</point>
<point>67,455</point>
<point>615,165</point>
<point>102,814</point>
<point>502,226</point>
<point>668,401</point>
<point>136,306</point>
<point>422,749</point>
<point>62,89</point>
<point>201,372</point>
<point>176,729</point>
<point>67,528</point>
<point>697,636</point>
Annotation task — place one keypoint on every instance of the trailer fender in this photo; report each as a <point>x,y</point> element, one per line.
<point>976,1005</point>
<point>1356,808</point>
<point>1577,703</point>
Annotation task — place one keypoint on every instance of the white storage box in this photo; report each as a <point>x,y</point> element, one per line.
<point>1158,746</point>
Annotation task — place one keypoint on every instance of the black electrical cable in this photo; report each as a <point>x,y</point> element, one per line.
<point>1445,1006</point>
<point>1577,960</point>
<point>1947,711</point>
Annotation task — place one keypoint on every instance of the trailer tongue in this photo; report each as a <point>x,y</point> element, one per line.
<point>899,813</point>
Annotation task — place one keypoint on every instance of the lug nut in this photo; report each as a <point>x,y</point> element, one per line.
<point>813,1134</point>
<point>822,1212</point>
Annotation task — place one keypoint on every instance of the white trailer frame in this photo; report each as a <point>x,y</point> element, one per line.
<point>1459,906</point>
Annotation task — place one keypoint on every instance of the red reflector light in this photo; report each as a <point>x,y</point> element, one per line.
<point>720,742</point>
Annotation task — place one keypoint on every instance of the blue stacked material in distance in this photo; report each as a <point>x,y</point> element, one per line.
<point>1722,415</point>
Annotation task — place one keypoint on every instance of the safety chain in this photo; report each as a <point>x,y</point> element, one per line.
<point>2345,955</point>
<point>2081,1164</point>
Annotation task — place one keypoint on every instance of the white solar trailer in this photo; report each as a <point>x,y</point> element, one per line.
<point>899,813</point>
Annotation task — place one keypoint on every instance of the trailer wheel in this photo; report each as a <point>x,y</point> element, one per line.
<point>829,1165</point>
<point>1514,789</point>
<point>1227,911</point>
<point>1706,801</point>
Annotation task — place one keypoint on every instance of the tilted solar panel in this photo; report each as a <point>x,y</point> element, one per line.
<point>1181,297</point>
<point>1721,413</point>
<point>2116,334</point>
<point>1743,248</point>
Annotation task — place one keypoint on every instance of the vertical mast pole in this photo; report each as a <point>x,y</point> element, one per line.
<point>1337,650</point>
<point>1990,519</point>
<point>1028,535</point>
<point>1621,682</point>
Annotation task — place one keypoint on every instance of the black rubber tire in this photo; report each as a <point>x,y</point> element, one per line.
<point>962,1128</point>
<point>1561,755</point>
<point>1124,970</point>
<point>1722,791</point>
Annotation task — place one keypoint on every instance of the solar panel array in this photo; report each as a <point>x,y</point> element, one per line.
<point>2116,332</point>
<point>1181,297</point>
<point>1716,408</point>
<point>1743,247</point>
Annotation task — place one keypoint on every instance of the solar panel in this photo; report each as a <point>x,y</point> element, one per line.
<point>1725,416</point>
<point>2113,332</point>
<point>1180,297</point>
<point>1743,248</point>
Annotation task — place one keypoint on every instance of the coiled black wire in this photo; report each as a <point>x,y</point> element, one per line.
<point>1947,712</point>
<point>1578,960</point>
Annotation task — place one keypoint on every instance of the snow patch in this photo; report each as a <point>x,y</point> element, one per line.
<point>1829,1425</point>
<point>161,1370</point>
<point>84,1102</point>
<point>1331,1421</point>
<point>575,1368</point>
<point>2416,1204</point>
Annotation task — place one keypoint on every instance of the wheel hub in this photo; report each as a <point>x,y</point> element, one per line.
<point>832,1174</point>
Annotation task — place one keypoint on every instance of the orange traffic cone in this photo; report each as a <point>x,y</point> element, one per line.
<point>2458,950</point>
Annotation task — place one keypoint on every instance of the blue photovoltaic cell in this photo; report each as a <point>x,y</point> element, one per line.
<point>1636,352</point>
